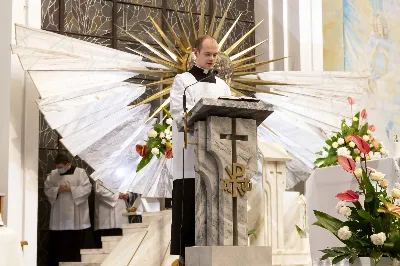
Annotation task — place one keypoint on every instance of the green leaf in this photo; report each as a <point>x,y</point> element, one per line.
<point>329,142</point>
<point>339,259</point>
<point>367,216</point>
<point>367,182</point>
<point>319,160</point>
<point>341,249</point>
<point>301,232</point>
<point>144,162</point>
<point>153,142</point>
<point>159,128</point>
<point>326,256</point>
<point>363,130</point>
<point>331,159</point>
<point>369,197</point>
<point>167,112</point>
<point>319,153</point>
<point>354,256</point>
<point>252,233</point>
<point>328,222</point>
<point>345,128</point>
<point>355,124</point>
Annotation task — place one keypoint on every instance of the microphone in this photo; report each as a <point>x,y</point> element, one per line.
<point>213,73</point>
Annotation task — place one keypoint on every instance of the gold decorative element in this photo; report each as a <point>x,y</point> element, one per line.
<point>131,209</point>
<point>23,243</point>
<point>233,184</point>
<point>177,54</point>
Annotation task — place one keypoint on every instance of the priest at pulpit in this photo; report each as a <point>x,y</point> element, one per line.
<point>200,82</point>
<point>67,189</point>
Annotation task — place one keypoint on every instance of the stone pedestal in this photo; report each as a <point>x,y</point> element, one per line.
<point>228,255</point>
<point>225,131</point>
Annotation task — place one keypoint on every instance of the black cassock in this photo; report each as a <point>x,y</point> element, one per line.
<point>187,238</point>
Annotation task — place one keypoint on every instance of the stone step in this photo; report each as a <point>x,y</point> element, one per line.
<point>78,264</point>
<point>148,217</point>
<point>110,242</point>
<point>128,229</point>
<point>94,255</point>
<point>135,225</point>
<point>110,238</point>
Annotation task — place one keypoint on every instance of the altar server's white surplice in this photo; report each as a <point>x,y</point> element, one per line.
<point>108,209</point>
<point>69,210</point>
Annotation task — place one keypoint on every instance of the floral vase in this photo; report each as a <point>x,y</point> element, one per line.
<point>366,261</point>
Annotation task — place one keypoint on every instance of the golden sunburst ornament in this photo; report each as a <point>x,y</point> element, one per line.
<point>232,65</point>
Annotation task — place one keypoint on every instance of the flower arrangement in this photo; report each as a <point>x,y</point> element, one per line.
<point>340,143</point>
<point>371,229</point>
<point>159,143</point>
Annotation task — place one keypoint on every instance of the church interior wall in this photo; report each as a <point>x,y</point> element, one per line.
<point>293,29</point>
<point>19,130</point>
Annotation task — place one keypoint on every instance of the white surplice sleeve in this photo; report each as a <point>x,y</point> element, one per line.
<point>106,196</point>
<point>50,190</point>
<point>176,97</point>
<point>81,192</point>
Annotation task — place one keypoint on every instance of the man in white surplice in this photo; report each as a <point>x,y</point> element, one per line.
<point>206,51</point>
<point>109,206</point>
<point>67,189</point>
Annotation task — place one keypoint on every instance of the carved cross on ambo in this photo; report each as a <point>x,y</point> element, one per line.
<point>234,137</point>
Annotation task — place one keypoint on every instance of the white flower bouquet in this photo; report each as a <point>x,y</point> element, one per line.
<point>340,144</point>
<point>159,143</point>
<point>371,229</point>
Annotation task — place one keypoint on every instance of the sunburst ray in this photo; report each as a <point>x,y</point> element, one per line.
<point>242,39</point>
<point>226,36</point>
<point>221,22</point>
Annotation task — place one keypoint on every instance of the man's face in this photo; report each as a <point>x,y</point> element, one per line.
<point>207,56</point>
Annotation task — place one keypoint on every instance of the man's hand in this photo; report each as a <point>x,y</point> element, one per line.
<point>123,196</point>
<point>64,188</point>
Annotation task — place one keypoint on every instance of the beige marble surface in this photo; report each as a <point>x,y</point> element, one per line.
<point>125,250</point>
<point>155,244</point>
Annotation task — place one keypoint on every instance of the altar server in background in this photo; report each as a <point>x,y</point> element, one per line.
<point>109,207</point>
<point>67,189</point>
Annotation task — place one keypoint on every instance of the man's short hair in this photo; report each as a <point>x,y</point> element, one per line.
<point>200,40</point>
<point>62,158</point>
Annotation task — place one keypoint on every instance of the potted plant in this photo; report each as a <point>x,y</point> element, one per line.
<point>371,230</point>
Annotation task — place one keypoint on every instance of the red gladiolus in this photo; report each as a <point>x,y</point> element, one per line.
<point>364,114</point>
<point>347,163</point>
<point>349,196</point>
<point>371,128</point>
<point>362,145</point>
<point>142,149</point>
<point>350,100</point>
<point>168,154</point>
